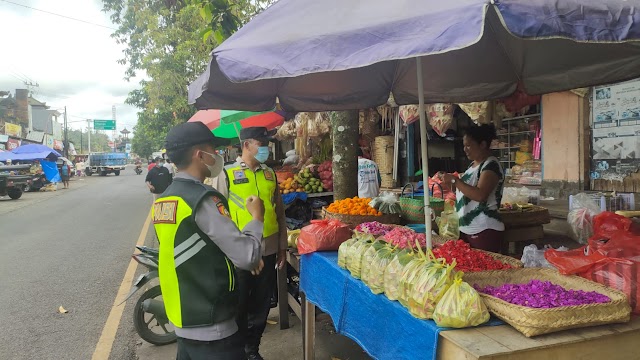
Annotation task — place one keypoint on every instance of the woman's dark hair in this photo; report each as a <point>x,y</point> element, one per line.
<point>482,133</point>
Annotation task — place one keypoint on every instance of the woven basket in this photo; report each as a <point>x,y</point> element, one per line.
<point>354,220</point>
<point>513,262</point>
<point>412,207</point>
<point>532,322</point>
<point>532,216</point>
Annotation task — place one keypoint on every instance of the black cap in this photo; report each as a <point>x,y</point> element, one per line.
<point>189,134</point>
<point>257,133</point>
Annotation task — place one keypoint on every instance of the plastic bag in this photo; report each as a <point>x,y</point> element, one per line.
<point>292,238</point>
<point>410,274</point>
<point>611,258</point>
<point>387,203</point>
<point>343,251</point>
<point>409,113</point>
<point>532,257</point>
<point>377,269</point>
<point>429,287</point>
<point>367,259</point>
<point>461,306</point>
<point>580,217</point>
<point>323,235</point>
<point>477,111</point>
<point>354,257</point>
<point>287,131</point>
<point>318,124</point>
<point>448,225</point>
<point>393,273</point>
<point>440,117</point>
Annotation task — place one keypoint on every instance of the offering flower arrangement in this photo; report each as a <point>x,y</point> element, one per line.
<point>542,294</point>
<point>374,228</point>
<point>467,259</point>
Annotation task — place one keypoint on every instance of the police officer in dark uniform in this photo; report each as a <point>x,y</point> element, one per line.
<point>200,248</point>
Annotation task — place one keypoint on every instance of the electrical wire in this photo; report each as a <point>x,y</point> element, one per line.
<point>60,15</point>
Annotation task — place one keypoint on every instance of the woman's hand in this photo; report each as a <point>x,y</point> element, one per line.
<point>447,178</point>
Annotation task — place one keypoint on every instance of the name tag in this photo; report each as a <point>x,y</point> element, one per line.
<point>240,181</point>
<point>164,212</point>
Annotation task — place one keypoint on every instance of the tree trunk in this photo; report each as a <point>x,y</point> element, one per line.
<point>344,128</point>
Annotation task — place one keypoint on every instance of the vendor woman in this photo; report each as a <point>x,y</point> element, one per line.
<point>479,191</point>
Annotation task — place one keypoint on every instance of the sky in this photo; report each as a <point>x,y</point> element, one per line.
<point>74,63</point>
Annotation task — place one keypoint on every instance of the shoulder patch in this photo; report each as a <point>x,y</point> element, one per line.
<point>268,175</point>
<point>221,208</point>
<point>164,212</point>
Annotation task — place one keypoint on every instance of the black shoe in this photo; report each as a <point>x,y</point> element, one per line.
<point>254,355</point>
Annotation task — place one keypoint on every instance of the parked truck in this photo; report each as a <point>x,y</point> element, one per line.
<point>105,163</point>
<point>11,183</point>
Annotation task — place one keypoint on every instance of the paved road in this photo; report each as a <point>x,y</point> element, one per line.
<point>68,248</point>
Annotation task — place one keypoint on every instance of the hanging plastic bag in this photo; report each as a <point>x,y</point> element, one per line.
<point>378,266</point>
<point>343,251</point>
<point>477,111</point>
<point>448,225</point>
<point>409,114</point>
<point>429,287</point>
<point>583,209</point>
<point>440,117</point>
<point>326,234</point>
<point>393,273</point>
<point>461,306</point>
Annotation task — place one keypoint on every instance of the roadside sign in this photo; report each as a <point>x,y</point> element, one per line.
<point>104,124</point>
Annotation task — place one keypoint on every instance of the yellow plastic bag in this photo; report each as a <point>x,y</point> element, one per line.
<point>448,225</point>
<point>292,238</point>
<point>354,257</point>
<point>393,273</point>
<point>377,269</point>
<point>461,306</point>
<point>367,259</point>
<point>429,287</point>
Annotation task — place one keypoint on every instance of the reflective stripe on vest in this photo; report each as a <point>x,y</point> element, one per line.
<point>258,184</point>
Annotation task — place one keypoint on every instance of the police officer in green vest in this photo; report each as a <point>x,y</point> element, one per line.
<point>247,177</point>
<point>201,247</point>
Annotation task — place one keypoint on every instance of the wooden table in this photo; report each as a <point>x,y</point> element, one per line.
<point>283,306</point>
<point>610,342</point>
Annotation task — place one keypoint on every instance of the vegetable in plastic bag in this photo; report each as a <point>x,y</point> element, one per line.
<point>386,203</point>
<point>461,306</point>
<point>354,259</point>
<point>428,288</point>
<point>448,225</point>
<point>580,217</point>
<point>393,273</point>
<point>292,238</point>
<point>343,251</point>
<point>367,258</point>
<point>378,266</point>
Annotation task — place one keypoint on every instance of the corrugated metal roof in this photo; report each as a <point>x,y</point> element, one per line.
<point>36,136</point>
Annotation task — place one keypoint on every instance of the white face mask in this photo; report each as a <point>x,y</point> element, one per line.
<point>216,168</point>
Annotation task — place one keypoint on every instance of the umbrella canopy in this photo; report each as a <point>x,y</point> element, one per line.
<point>227,123</point>
<point>30,152</point>
<point>338,55</point>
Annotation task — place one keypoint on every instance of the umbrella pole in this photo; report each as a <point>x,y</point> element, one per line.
<point>425,158</point>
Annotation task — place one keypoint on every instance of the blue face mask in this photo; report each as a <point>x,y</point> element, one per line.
<point>263,154</point>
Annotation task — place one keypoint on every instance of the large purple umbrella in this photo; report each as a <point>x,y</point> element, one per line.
<point>317,55</point>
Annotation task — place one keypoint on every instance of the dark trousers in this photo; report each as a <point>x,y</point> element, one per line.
<point>230,348</point>
<point>488,240</point>
<point>255,302</point>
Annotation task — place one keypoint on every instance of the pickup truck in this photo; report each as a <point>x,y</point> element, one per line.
<point>11,183</point>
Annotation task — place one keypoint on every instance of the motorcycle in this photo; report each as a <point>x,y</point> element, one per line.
<point>138,169</point>
<point>37,182</point>
<point>149,316</point>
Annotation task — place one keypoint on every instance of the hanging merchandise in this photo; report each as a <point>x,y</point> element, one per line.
<point>477,111</point>
<point>500,111</point>
<point>287,131</point>
<point>440,117</point>
<point>519,99</point>
<point>318,124</point>
<point>409,114</point>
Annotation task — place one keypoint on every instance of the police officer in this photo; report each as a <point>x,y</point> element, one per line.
<point>247,177</point>
<point>200,248</point>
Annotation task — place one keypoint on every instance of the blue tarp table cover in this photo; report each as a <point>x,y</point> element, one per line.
<point>383,328</point>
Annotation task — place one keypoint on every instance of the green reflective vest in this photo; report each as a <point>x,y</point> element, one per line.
<point>243,183</point>
<point>196,277</point>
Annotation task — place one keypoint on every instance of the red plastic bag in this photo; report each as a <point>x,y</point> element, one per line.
<point>611,258</point>
<point>325,234</point>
